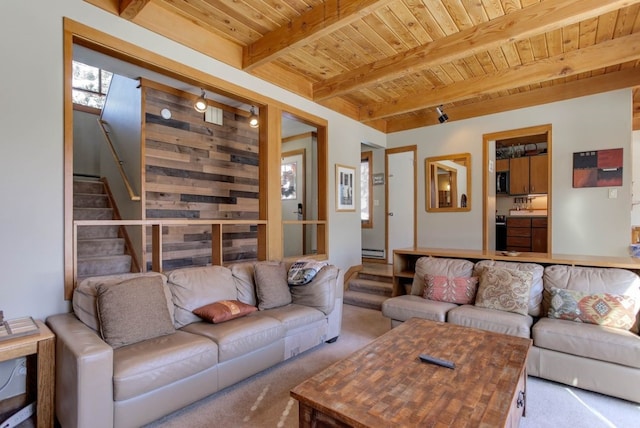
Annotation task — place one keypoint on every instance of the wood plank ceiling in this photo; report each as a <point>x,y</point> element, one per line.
<point>390,63</point>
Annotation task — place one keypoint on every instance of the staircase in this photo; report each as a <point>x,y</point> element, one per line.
<point>370,287</point>
<point>100,249</point>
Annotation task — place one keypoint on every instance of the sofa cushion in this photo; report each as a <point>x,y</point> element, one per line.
<point>85,304</point>
<point>537,271</point>
<point>303,271</point>
<point>294,316</point>
<point>450,268</point>
<point>491,320</point>
<point>194,287</point>
<point>243,277</point>
<point>133,310</point>
<point>224,310</point>
<point>320,293</point>
<point>241,335</point>
<point>591,280</point>
<point>611,310</point>
<point>272,288</point>
<point>609,344</point>
<point>453,290</point>
<point>154,363</point>
<point>504,289</point>
<point>401,308</point>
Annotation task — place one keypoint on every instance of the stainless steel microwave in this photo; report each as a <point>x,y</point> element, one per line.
<point>502,182</point>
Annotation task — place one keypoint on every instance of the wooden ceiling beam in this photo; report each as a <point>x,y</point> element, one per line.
<point>576,88</point>
<point>521,24</point>
<point>308,27</point>
<point>129,9</point>
<point>605,54</point>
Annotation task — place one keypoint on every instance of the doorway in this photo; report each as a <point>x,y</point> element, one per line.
<point>524,158</point>
<point>400,199</point>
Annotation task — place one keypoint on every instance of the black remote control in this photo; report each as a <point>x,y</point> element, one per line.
<point>433,360</point>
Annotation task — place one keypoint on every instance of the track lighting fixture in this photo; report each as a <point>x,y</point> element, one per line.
<point>254,122</point>
<point>442,116</point>
<point>201,103</point>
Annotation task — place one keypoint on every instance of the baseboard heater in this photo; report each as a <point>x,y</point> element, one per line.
<point>373,254</point>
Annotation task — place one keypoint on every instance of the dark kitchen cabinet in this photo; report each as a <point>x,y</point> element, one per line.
<point>527,234</point>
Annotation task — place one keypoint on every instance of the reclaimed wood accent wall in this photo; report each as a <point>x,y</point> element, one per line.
<point>199,170</point>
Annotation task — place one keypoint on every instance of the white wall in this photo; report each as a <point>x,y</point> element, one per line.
<point>87,140</point>
<point>584,220</point>
<point>635,197</point>
<point>31,164</point>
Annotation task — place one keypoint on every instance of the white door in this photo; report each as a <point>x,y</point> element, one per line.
<point>400,200</point>
<point>292,194</point>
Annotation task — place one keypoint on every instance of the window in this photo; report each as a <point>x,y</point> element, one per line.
<point>90,85</point>
<point>366,184</point>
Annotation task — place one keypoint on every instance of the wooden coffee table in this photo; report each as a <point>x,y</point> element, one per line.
<point>385,383</point>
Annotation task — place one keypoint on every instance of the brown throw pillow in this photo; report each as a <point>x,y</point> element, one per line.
<point>224,310</point>
<point>133,310</point>
<point>504,289</point>
<point>272,288</point>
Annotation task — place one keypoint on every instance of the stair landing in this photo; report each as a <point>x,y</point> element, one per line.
<point>371,287</point>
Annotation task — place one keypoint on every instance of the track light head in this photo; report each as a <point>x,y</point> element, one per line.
<point>201,103</point>
<point>442,116</point>
<point>254,121</point>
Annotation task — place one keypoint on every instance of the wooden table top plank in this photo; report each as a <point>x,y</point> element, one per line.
<point>385,382</point>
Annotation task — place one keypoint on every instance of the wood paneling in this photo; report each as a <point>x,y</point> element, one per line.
<point>199,170</point>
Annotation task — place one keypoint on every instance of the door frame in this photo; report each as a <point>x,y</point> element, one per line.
<point>387,152</point>
<point>486,183</point>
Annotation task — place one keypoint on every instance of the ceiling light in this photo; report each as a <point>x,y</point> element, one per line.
<point>442,116</point>
<point>201,103</point>
<point>254,122</point>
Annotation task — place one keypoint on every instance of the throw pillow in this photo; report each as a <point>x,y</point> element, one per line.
<point>611,310</point>
<point>303,271</point>
<point>504,289</point>
<point>272,288</point>
<point>458,290</point>
<point>319,293</point>
<point>133,310</point>
<point>224,310</point>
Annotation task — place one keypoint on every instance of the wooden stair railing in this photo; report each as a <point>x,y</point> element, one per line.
<point>119,163</point>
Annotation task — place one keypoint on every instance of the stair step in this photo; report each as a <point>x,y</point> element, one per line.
<point>371,287</point>
<point>92,214</point>
<point>364,300</point>
<point>100,247</point>
<point>108,265</point>
<point>96,232</point>
<point>377,276</point>
<point>88,186</point>
<point>90,200</point>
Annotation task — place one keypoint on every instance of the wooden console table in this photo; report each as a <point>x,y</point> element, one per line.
<point>39,348</point>
<point>404,261</point>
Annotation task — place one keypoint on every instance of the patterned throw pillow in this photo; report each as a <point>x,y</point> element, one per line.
<point>224,310</point>
<point>611,310</point>
<point>458,290</point>
<point>302,272</point>
<point>504,289</point>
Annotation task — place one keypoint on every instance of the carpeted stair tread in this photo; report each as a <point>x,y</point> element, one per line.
<point>97,232</point>
<point>90,200</point>
<point>371,286</point>
<point>375,276</point>
<point>104,265</point>
<point>87,186</point>
<point>100,247</point>
<point>93,214</point>
<point>364,300</point>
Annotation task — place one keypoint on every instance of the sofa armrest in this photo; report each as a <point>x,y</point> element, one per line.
<point>84,374</point>
<point>335,317</point>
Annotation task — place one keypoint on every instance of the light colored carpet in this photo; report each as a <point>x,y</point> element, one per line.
<point>263,400</point>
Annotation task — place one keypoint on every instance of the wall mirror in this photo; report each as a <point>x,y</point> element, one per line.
<point>448,183</point>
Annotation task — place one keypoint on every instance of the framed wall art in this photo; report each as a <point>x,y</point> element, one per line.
<point>597,168</point>
<point>345,188</point>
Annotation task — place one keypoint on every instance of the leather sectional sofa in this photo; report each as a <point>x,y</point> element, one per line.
<point>566,309</point>
<point>111,375</point>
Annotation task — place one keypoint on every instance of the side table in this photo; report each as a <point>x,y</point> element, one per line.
<point>39,349</point>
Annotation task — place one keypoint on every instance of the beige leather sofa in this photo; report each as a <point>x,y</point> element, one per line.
<point>98,385</point>
<point>585,355</point>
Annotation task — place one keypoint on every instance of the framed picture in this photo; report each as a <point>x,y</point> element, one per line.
<point>345,188</point>
<point>597,168</point>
